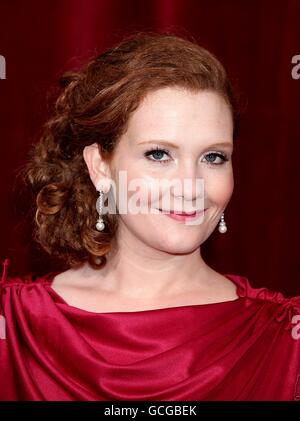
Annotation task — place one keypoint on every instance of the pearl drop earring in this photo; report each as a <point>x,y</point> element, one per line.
<point>222,225</point>
<point>100,225</point>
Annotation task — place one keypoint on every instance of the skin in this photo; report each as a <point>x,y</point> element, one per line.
<point>156,261</point>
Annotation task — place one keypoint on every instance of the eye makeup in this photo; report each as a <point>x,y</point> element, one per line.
<point>159,152</point>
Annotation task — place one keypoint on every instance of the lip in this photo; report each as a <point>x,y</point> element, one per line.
<point>182,216</point>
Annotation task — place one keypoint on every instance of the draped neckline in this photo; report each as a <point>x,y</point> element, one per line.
<point>48,278</point>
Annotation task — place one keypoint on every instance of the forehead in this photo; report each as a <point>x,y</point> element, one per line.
<point>174,111</point>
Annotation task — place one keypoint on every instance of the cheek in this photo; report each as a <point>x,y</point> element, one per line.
<point>139,191</point>
<point>219,188</point>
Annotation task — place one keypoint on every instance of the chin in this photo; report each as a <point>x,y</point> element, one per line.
<point>177,245</point>
<point>181,250</point>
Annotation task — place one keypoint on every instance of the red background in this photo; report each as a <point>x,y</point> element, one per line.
<point>255,40</point>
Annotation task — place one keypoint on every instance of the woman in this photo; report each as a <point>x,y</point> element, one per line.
<point>138,314</point>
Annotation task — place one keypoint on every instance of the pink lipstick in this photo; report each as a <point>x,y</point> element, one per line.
<point>183,216</point>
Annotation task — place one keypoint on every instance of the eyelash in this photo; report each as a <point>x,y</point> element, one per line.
<point>151,151</point>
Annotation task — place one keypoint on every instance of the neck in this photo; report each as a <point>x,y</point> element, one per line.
<point>136,270</point>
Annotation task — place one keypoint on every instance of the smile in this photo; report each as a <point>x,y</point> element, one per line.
<point>183,215</point>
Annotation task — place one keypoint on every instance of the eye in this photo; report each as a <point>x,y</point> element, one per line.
<point>157,154</point>
<point>212,156</point>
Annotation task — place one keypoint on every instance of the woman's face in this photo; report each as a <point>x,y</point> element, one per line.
<point>199,130</point>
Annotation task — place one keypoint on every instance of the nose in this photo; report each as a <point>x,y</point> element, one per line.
<point>188,182</point>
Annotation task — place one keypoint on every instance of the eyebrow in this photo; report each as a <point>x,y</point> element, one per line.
<point>173,145</point>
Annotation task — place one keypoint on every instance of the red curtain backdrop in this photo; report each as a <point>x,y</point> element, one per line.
<point>255,40</point>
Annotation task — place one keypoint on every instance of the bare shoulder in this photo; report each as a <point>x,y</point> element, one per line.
<point>225,287</point>
<point>65,279</point>
<point>79,277</point>
<point>72,280</point>
<point>79,290</point>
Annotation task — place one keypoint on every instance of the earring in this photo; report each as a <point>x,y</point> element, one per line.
<point>100,225</point>
<point>222,225</point>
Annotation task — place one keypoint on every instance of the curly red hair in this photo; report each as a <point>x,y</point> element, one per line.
<point>94,105</point>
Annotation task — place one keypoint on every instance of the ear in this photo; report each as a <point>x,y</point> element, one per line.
<point>99,170</point>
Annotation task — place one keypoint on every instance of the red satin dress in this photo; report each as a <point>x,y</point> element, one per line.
<point>245,349</point>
